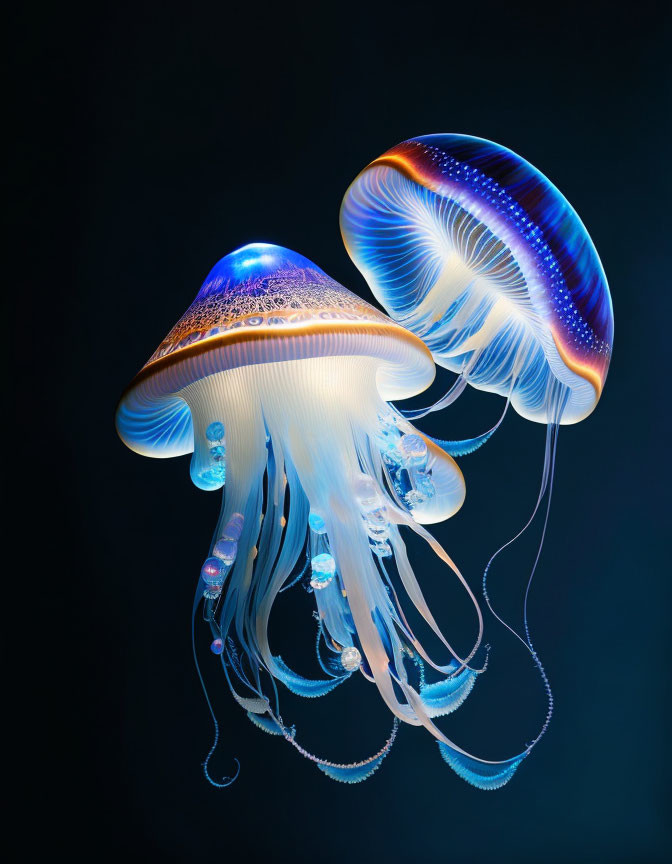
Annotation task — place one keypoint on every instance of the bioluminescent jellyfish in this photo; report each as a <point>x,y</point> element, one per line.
<point>278,380</point>
<point>478,254</point>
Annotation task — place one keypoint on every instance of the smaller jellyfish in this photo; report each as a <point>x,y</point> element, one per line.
<point>292,375</point>
<point>478,254</point>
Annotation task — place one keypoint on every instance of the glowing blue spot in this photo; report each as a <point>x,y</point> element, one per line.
<point>217,646</point>
<point>215,431</point>
<point>226,550</point>
<point>212,571</point>
<point>316,523</point>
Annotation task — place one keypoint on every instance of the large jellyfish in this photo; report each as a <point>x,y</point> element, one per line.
<point>278,380</point>
<point>477,253</point>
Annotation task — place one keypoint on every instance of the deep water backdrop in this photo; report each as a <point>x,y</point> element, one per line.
<point>152,141</point>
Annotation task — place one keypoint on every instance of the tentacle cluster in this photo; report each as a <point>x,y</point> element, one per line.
<point>328,519</point>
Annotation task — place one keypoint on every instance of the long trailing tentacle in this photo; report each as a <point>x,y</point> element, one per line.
<point>344,772</point>
<point>351,772</point>
<point>557,401</point>
<point>225,781</point>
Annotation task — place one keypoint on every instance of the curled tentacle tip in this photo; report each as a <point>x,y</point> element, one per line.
<point>225,781</point>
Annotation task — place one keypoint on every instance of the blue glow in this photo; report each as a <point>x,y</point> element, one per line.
<point>252,261</point>
<point>323,476</point>
<point>475,251</point>
<point>211,571</point>
<point>217,646</point>
<point>316,523</point>
<point>226,550</point>
<point>215,431</point>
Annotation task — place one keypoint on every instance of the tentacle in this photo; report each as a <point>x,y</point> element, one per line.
<point>266,724</point>
<point>332,667</point>
<point>353,772</point>
<point>549,459</point>
<point>444,697</point>
<point>300,575</point>
<point>414,591</point>
<point>225,781</point>
<point>557,398</point>
<point>479,774</point>
<point>469,445</point>
<point>456,390</point>
<point>357,526</point>
<point>305,686</point>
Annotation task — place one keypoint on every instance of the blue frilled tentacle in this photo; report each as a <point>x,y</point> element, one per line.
<point>444,697</point>
<point>469,445</point>
<point>267,724</point>
<point>331,665</point>
<point>352,773</point>
<point>482,775</point>
<point>464,447</point>
<point>308,687</point>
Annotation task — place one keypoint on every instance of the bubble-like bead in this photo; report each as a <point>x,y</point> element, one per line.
<point>413,449</point>
<point>377,531</point>
<point>366,492</point>
<point>212,571</point>
<point>209,479</point>
<point>316,523</point>
<point>217,646</point>
<point>378,515</point>
<point>226,550</point>
<point>382,549</point>
<point>323,567</point>
<point>218,453</point>
<point>424,485</point>
<point>234,527</point>
<point>215,431</point>
<point>351,659</point>
<point>323,564</point>
<point>377,523</point>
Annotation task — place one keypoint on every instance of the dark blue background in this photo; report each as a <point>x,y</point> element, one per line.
<point>154,141</point>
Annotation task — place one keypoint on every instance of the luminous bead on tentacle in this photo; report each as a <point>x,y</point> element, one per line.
<point>215,431</point>
<point>351,659</point>
<point>234,527</point>
<point>317,523</point>
<point>226,550</point>
<point>323,567</point>
<point>413,450</point>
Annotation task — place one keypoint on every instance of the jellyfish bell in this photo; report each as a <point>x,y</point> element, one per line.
<point>477,252</point>
<point>259,306</point>
<point>291,374</point>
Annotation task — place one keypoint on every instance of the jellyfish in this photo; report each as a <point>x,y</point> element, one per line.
<point>476,252</point>
<point>279,382</point>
